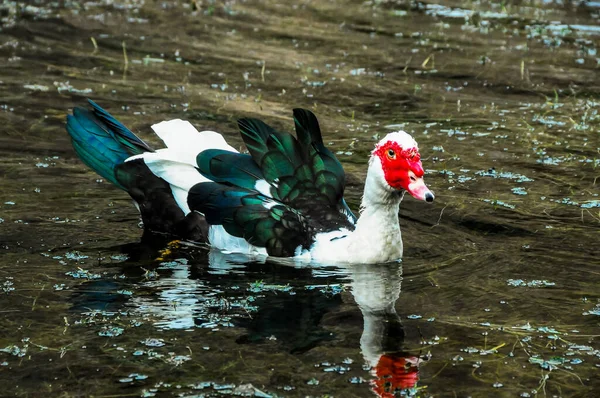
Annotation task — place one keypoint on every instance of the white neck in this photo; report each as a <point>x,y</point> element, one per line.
<point>377,237</point>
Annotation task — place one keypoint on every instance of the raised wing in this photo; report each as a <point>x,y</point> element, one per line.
<point>304,174</point>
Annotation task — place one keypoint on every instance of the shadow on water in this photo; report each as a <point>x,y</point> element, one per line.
<point>500,276</point>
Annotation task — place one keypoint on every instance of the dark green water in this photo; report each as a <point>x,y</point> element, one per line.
<point>498,294</point>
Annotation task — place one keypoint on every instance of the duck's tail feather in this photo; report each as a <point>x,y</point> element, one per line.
<point>101,141</point>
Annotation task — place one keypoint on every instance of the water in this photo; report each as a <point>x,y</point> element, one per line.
<point>498,291</point>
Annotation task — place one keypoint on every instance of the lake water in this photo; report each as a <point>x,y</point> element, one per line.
<point>498,293</point>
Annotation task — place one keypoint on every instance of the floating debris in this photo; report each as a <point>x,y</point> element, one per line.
<point>83,274</point>
<point>547,120</point>
<point>75,256</point>
<point>147,60</point>
<point>15,350</point>
<point>66,86</point>
<point>7,286</point>
<point>152,342</point>
<point>338,369</point>
<point>565,201</point>
<point>110,331</point>
<point>36,87</point>
<point>532,283</point>
<point>519,191</point>
<point>496,202</point>
<point>504,174</point>
<point>546,329</point>
<point>455,132</point>
<point>119,257</point>
<point>595,311</point>
<point>550,364</point>
<point>358,72</point>
<point>178,360</point>
<point>590,204</point>
<point>356,380</point>
<point>260,286</point>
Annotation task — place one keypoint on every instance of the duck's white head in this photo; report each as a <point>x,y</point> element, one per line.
<point>398,163</point>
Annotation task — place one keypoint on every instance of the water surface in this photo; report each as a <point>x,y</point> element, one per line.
<point>497,294</point>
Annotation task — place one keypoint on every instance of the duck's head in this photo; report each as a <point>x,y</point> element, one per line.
<point>398,163</point>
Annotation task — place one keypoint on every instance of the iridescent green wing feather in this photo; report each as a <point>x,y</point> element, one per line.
<point>304,173</point>
<point>245,213</point>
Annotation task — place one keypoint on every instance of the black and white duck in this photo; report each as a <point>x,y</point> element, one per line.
<point>285,198</point>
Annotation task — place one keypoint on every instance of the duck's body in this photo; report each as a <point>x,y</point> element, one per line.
<point>283,199</point>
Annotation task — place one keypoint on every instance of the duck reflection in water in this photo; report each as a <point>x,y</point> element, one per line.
<point>298,320</point>
<point>376,288</point>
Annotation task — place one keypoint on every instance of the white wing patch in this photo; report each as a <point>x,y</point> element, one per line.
<point>269,204</point>
<point>176,164</point>
<point>219,238</point>
<point>181,176</point>
<point>182,135</point>
<point>263,187</point>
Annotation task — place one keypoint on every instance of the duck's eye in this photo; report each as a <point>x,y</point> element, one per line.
<point>391,154</point>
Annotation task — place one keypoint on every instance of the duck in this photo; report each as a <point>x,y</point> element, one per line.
<point>284,198</point>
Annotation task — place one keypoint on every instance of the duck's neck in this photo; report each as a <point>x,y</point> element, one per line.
<point>377,235</point>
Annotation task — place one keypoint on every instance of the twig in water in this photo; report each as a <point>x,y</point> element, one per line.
<point>406,65</point>
<point>543,383</point>
<point>522,69</point>
<point>95,44</point>
<point>497,347</point>
<point>430,57</point>
<point>572,374</point>
<point>125,59</point>
<point>440,218</point>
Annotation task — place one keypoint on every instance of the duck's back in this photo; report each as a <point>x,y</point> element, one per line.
<point>279,197</point>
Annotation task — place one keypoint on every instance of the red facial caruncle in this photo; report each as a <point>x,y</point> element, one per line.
<point>402,169</point>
